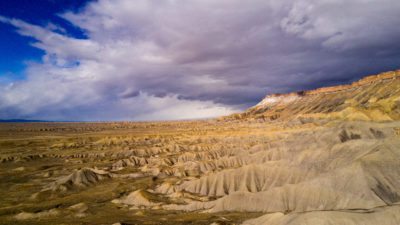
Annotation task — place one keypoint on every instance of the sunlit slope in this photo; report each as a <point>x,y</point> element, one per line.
<point>373,98</point>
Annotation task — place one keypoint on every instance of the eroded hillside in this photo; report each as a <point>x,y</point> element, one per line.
<point>375,98</point>
<point>329,156</point>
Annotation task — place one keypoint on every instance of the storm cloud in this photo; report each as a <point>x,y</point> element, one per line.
<point>175,59</point>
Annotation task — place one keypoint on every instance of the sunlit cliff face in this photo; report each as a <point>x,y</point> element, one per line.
<point>373,98</point>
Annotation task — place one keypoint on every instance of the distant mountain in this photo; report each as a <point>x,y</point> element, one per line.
<point>21,121</point>
<point>373,98</point>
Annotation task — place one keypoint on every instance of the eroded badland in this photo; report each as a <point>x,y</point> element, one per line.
<point>327,156</point>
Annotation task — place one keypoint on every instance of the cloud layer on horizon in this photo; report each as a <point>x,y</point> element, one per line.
<point>153,60</point>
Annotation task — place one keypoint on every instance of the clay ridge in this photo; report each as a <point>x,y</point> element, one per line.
<point>368,80</point>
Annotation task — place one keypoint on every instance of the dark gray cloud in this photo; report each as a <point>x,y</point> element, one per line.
<point>186,59</point>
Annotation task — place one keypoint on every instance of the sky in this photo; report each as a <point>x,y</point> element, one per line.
<point>79,60</point>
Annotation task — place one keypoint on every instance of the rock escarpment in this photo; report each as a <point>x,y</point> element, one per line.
<point>373,98</point>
